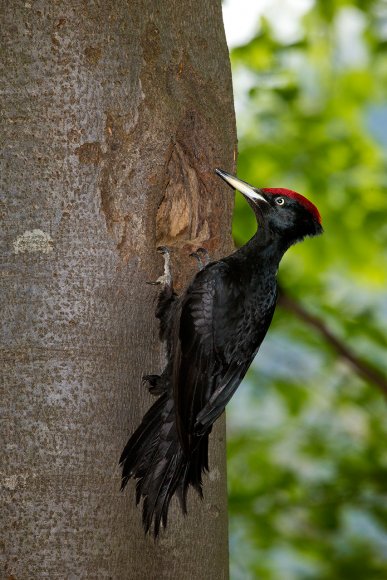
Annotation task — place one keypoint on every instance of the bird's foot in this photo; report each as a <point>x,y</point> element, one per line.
<point>166,278</point>
<point>155,384</point>
<point>202,256</point>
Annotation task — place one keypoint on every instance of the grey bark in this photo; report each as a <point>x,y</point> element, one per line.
<point>114,115</point>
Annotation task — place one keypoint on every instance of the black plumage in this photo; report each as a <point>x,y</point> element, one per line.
<point>212,334</point>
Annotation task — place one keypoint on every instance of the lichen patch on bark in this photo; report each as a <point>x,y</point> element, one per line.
<point>33,241</point>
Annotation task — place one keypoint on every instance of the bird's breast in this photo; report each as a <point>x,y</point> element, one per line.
<point>255,317</point>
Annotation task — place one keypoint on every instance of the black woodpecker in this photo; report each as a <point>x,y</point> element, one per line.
<point>212,333</point>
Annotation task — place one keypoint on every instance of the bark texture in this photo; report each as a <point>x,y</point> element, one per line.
<point>114,115</point>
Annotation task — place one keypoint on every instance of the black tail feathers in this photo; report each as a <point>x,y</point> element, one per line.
<point>154,457</point>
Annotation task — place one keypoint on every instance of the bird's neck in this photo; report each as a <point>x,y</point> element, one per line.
<point>265,250</point>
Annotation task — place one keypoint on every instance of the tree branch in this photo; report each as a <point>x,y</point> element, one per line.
<point>363,368</point>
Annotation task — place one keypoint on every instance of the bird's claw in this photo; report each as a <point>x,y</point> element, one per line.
<point>166,278</point>
<point>203,259</point>
<point>163,250</point>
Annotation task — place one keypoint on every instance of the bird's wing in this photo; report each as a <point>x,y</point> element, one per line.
<point>212,356</point>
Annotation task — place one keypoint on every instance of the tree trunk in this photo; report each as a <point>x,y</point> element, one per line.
<point>115,115</point>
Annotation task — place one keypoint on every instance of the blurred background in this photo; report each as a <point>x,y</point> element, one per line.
<point>307,429</point>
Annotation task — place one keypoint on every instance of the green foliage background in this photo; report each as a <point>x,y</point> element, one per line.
<point>307,436</point>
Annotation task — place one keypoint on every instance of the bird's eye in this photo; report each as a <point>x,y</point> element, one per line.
<point>279,200</point>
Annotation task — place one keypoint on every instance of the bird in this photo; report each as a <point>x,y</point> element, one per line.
<point>212,333</point>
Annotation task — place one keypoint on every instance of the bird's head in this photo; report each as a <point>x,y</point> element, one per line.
<point>285,213</point>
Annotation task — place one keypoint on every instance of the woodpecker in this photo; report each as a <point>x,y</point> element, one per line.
<point>212,331</point>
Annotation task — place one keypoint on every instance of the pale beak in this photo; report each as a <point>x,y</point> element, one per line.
<point>241,186</point>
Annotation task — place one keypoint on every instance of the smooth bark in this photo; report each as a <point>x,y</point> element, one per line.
<point>114,117</point>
